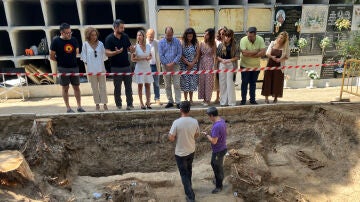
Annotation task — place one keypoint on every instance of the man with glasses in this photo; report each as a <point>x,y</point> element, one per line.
<point>252,48</point>
<point>63,50</point>
<point>117,45</point>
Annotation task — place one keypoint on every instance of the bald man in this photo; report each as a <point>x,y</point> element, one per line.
<point>170,51</point>
<point>154,62</point>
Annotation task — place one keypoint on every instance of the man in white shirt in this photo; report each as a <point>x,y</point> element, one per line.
<point>184,130</point>
<point>154,62</point>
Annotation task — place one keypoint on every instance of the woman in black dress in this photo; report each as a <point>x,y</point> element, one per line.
<point>277,52</point>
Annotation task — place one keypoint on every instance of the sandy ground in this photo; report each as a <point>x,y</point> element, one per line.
<point>56,104</point>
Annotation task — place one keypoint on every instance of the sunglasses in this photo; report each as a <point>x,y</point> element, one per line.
<point>95,53</point>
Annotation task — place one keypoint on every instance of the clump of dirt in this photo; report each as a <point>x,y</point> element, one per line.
<point>129,190</point>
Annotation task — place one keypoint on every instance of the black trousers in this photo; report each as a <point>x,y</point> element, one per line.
<point>217,164</point>
<point>117,86</point>
<point>184,164</point>
<point>248,78</point>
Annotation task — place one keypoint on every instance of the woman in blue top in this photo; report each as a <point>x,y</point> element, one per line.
<point>218,146</point>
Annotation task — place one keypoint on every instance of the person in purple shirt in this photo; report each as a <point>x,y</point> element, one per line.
<point>170,52</point>
<point>218,146</point>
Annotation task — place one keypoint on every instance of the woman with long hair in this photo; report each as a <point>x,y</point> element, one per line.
<point>219,39</point>
<point>141,56</point>
<point>189,59</point>
<point>228,54</point>
<point>206,62</point>
<point>277,52</point>
<point>93,55</point>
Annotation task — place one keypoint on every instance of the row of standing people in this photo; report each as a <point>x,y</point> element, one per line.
<point>222,54</point>
<point>170,54</point>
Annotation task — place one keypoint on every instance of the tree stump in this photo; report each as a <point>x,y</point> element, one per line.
<point>41,135</point>
<point>48,155</point>
<point>14,169</point>
<point>42,127</point>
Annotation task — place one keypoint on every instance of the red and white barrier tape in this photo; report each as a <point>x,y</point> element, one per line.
<point>173,73</point>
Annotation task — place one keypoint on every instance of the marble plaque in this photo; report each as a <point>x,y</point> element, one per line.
<point>291,73</point>
<point>314,18</point>
<point>268,37</point>
<point>307,60</point>
<point>174,18</point>
<point>335,37</point>
<point>201,19</point>
<point>355,25</point>
<point>232,18</point>
<point>337,12</point>
<point>260,18</point>
<point>328,72</point>
<point>313,46</point>
<point>287,16</point>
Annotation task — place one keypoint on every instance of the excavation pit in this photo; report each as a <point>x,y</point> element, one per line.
<point>276,152</point>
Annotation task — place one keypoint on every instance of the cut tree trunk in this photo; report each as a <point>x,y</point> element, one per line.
<point>14,169</point>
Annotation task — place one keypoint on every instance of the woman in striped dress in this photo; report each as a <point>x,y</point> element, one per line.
<point>206,62</point>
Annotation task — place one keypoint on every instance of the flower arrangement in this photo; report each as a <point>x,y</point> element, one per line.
<point>297,25</point>
<point>277,24</point>
<point>302,43</point>
<point>342,24</point>
<point>312,74</point>
<point>325,42</point>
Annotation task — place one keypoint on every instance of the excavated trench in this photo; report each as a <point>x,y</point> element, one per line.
<point>271,148</point>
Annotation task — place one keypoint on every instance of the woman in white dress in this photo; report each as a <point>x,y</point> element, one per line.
<point>93,55</point>
<point>142,56</point>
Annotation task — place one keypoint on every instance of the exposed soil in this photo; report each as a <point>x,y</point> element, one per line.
<point>276,153</point>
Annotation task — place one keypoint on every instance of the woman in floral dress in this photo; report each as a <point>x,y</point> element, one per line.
<point>206,62</point>
<point>189,58</point>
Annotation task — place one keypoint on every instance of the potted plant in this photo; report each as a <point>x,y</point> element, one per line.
<point>350,48</point>
<point>312,74</point>
<point>324,43</point>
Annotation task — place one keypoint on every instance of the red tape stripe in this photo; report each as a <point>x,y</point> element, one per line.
<point>212,71</point>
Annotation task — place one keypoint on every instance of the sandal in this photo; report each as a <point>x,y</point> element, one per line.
<point>148,105</point>
<point>267,102</point>
<point>105,107</point>
<point>97,107</point>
